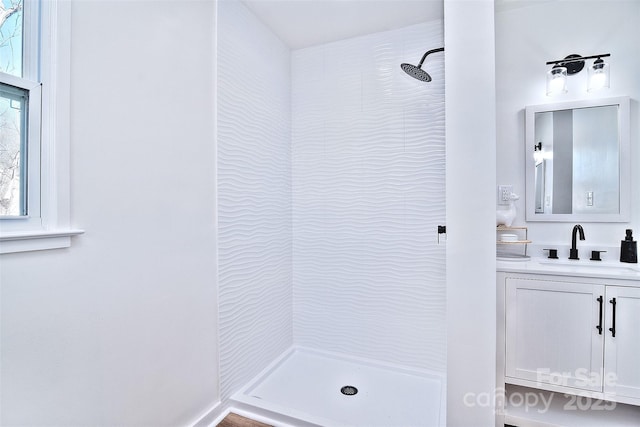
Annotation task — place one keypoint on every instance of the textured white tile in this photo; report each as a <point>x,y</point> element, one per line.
<point>368,276</point>
<point>359,147</point>
<point>254,196</point>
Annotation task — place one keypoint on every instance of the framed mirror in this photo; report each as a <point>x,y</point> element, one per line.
<point>577,161</point>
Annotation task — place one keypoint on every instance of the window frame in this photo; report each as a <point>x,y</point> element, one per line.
<point>52,229</point>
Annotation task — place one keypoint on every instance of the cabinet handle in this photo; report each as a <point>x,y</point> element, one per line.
<point>599,327</point>
<point>613,323</point>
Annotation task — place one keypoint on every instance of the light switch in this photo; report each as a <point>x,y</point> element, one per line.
<point>589,198</point>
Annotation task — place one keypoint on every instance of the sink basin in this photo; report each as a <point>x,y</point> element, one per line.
<point>601,266</point>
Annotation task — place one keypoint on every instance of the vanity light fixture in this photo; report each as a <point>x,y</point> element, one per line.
<point>573,64</point>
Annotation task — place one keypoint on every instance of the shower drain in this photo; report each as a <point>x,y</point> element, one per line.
<point>348,390</point>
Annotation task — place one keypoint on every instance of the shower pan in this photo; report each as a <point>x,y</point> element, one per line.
<point>330,389</point>
<point>331,186</point>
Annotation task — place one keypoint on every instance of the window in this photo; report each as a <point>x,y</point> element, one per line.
<point>19,148</point>
<point>15,96</point>
<point>34,122</point>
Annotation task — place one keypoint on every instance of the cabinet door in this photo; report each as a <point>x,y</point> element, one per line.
<point>552,334</point>
<point>622,351</point>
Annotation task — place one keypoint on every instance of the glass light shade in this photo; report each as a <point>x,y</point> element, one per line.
<point>557,81</point>
<point>598,76</point>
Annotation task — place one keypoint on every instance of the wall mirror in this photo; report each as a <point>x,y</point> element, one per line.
<point>577,161</point>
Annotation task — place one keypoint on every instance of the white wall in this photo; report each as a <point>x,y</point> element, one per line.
<point>526,38</point>
<point>120,329</point>
<point>368,180</point>
<point>254,195</point>
<point>471,275</point>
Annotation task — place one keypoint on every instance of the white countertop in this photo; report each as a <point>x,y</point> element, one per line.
<point>566,267</point>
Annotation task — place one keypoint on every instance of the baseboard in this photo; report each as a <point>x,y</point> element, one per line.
<point>212,416</point>
<point>265,416</point>
<point>218,412</point>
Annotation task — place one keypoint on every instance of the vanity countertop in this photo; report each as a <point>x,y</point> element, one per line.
<point>566,267</point>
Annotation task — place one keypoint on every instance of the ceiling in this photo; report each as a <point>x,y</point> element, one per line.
<point>303,23</point>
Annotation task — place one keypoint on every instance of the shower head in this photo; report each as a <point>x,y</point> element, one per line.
<point>416,71</point>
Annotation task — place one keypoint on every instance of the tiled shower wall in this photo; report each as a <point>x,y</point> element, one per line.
<point>254,196</point>
<point>368,193</point>
<point>330,190</point>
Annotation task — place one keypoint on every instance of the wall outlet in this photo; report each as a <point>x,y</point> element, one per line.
<point>504,194</point>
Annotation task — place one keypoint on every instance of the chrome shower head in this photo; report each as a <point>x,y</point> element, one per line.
<point>416,71</point>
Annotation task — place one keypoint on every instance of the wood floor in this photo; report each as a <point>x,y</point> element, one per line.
<point>234,420</point>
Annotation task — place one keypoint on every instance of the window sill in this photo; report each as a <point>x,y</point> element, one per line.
<point>36,240</point>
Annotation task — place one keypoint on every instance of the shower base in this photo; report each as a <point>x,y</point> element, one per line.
<point>303,387</point>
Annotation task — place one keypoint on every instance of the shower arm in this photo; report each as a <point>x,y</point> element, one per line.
<point>429,52</point>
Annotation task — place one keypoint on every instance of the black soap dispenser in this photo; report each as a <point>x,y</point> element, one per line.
<point>628,248</point>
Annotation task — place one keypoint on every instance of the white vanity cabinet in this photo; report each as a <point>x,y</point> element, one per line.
<point>561,333</point>
<point>563,337</point>
<point>622,352</point>
<point>551,335</point>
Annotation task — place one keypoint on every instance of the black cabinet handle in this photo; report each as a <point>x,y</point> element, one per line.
<point>613,323</point>
<point>599,327</point>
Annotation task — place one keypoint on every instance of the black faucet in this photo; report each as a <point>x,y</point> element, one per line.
<point>573,252</point>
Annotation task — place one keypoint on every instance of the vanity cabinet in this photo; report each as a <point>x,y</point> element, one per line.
<point>561,339</point>
<point>622,352</point>
<point>551,338</point>
<point>578,336</point>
